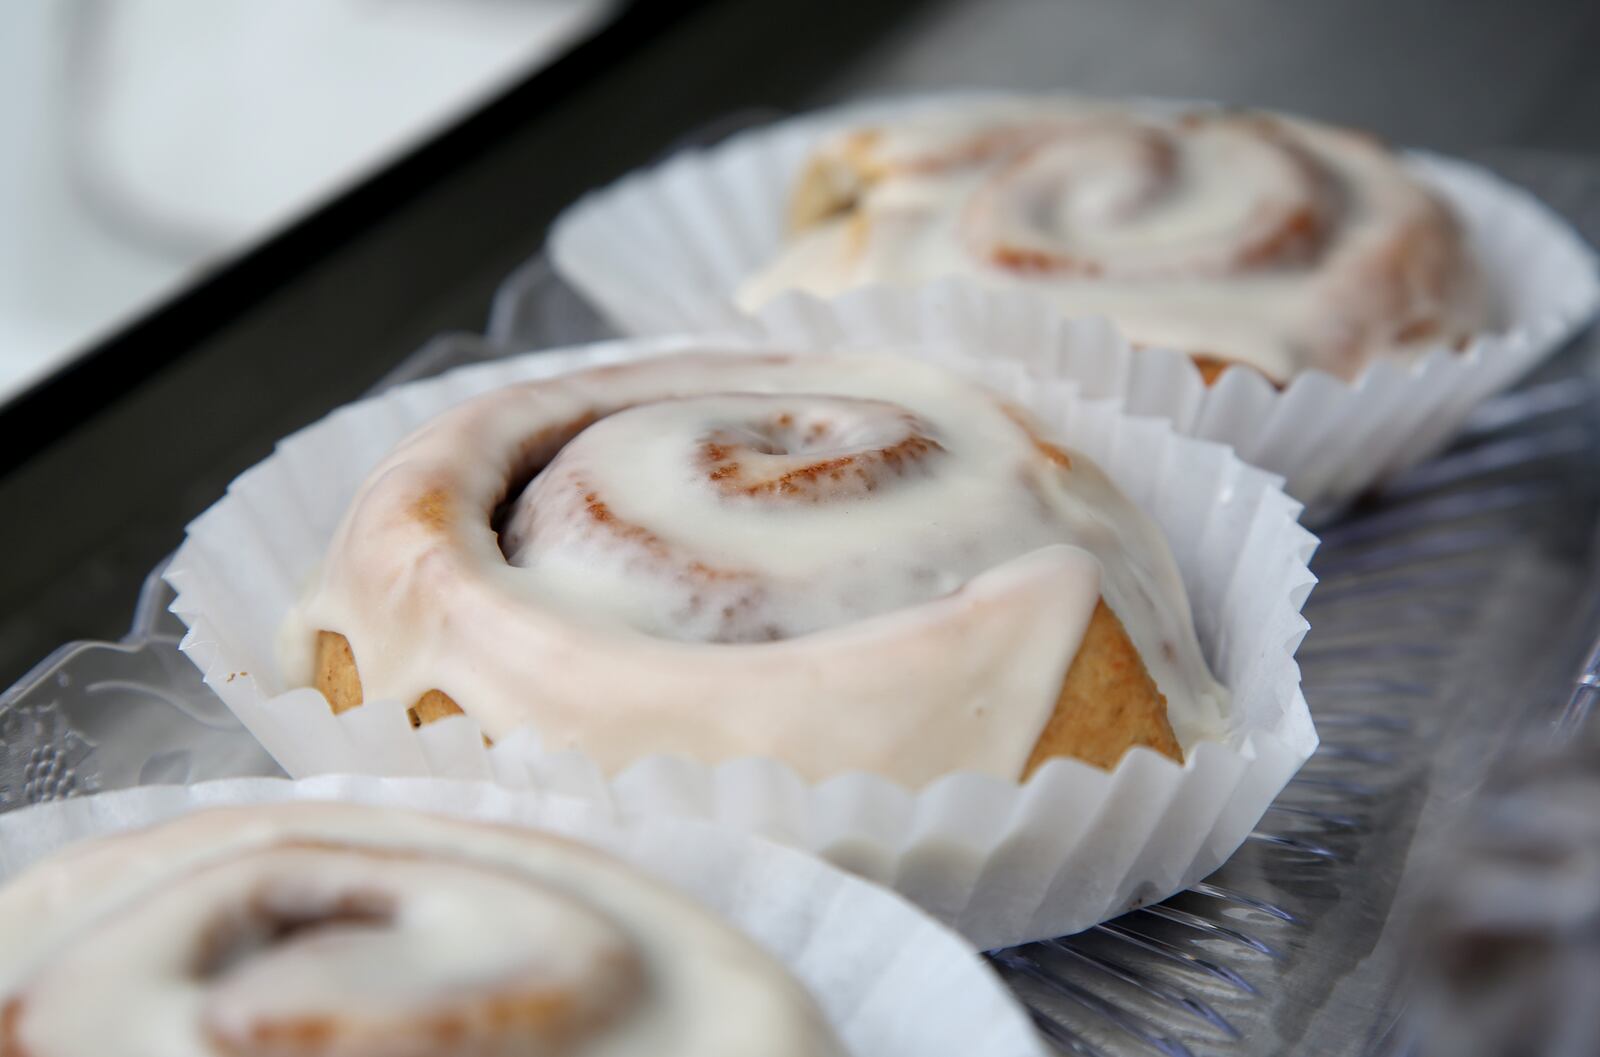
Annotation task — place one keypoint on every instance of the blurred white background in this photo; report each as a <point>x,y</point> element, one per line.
<point>147,140</point>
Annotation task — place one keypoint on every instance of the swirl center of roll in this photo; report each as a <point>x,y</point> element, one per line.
<point>754,517</point>
<point>322,949</point>
<point>357,957</point>
<point>817,450</point>
<point>1116,200</point>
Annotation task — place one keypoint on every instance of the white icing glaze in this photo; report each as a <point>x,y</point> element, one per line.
<point>848,563</point>
<point>196,937</point>
<point>1274,241</point>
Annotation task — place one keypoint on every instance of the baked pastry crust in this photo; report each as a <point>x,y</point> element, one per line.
<point>1108,703</point>
<point>340,682</point>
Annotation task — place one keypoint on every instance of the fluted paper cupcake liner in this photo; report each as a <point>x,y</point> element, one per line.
<point>1001,862</point>
<point>889,980</point>
<point>663,251</point>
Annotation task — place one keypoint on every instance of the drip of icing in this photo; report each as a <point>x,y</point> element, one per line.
<point>847,563</point>
<point>1277,242</point>
<point>324,928</point>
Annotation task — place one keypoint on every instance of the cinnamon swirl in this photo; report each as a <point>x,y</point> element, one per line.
<point>335,929</point>
<point>846,563</point>
<point>1234,236</point>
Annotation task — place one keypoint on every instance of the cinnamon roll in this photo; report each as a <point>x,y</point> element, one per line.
<point>334,929</point>
<point>848,563</point>
<point>1234,236</point>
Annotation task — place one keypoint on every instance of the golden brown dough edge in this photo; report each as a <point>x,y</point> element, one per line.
<point>340,683</point>
<point>1108,703</point>
<point>831,184</point>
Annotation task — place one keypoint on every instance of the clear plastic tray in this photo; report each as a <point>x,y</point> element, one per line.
<point>1451,619</point>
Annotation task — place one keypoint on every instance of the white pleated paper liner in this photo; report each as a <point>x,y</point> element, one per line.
<point>890,980</point>
<point>663,251</point>
<point>1001,862</point>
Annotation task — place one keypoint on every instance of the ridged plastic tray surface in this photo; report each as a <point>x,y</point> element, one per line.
<point>1448,622</point>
